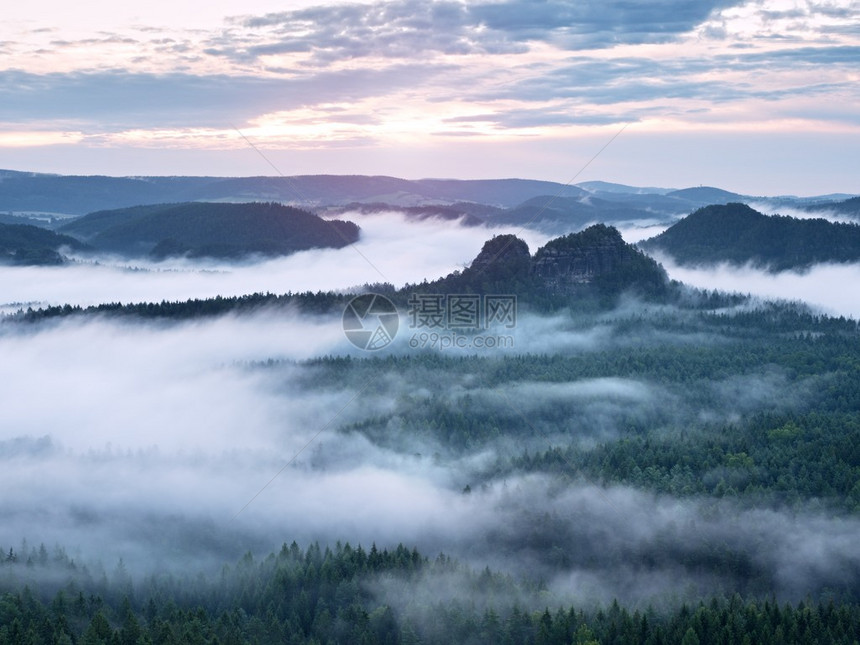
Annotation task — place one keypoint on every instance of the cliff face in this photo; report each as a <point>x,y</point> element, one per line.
<point>579,258</point>
<point>596,261</point>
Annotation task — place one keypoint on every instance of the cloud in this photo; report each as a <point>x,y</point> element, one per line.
<point>776,208</point>
<point>822,286</point>
<point>180,446</point>
<point>392,248</point>
<point>107,100</point>
<point>522,118</point>
<point>400,29</point>
<point>640,230</point>
<point>595,24</point>
<point>601,81</point>
<point>413,75</point>
<point>409,28</point>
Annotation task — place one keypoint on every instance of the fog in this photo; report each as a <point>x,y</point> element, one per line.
<point>179,445</point>
<point>635,232</point>
<point>392,248</point>
<point>826,287</point>
<point>169,445</point>
<point>769,208</point>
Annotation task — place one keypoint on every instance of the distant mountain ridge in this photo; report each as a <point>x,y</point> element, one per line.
<point>550,207</point>
<point>79,195</point>
<point>738,234</point>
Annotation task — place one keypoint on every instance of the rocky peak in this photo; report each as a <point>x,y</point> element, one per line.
<point>579,258</point>
<point>594,260</point>
<point>506,253</point>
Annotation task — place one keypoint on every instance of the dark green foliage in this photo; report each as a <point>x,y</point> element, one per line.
<point>600,258</point>
<point>320,595</point>
<point>23,244</point>
<point>199,229</point>
<point>736,233</point>
<point>793,442</point>
<point>795,446</point>
<point>312,303</point>
<point>502,266</point>
<point>850,207</point>
<point>586,270</point>
<point>605,267</point>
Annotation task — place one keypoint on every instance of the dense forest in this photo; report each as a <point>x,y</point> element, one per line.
<point>200,229</point>
<point>738,234</point>
<point>337,595</point>
<point>648,463</point>
<point>23,244</point>
<point>594,268</point>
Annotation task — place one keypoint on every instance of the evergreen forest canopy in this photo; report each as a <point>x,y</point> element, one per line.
<point>738,234</point>
<point>192,229</point>
<point>24,244</point>
<point>763,417</point>
<point>325,595</point>
<point>199,229</point>
<point>648,463</point>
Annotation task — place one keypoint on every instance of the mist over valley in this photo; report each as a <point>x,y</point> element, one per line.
<point>635,429</point>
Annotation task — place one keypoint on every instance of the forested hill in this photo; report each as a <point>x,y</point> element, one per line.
<point>584,270</point>
<point>23,244</point>
<point>850,207</point>
<point>595,264</point>
<point>738,234</point>
<point>199,229</point>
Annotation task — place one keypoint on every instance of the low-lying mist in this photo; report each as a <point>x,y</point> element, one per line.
<point>770,208</point>
<point>184,445</point>
<point>392,248</point>
<point>822,286</point>
<point>181,445</point>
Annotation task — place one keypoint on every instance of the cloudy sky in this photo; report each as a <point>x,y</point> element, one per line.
<point>756,96</point>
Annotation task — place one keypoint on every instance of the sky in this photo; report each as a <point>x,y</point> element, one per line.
<point>754,96</point>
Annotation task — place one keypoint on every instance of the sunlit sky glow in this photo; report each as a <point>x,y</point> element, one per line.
<point>754,96</point>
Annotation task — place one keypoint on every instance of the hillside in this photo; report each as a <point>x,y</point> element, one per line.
<point>738,234</point>
<point>78,195</point>
<point>593,263</point>
<point>23,244</point>
<point>199,229</point>
<point>706,194</point>
<point>560,215</point>
<point>551,207</point>
<point>850,207</point>
<point>599,257</point>
<point>584,271</point>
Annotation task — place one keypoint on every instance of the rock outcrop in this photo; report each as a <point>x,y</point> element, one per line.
<point>579,258</point>
<point>593,262</point>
